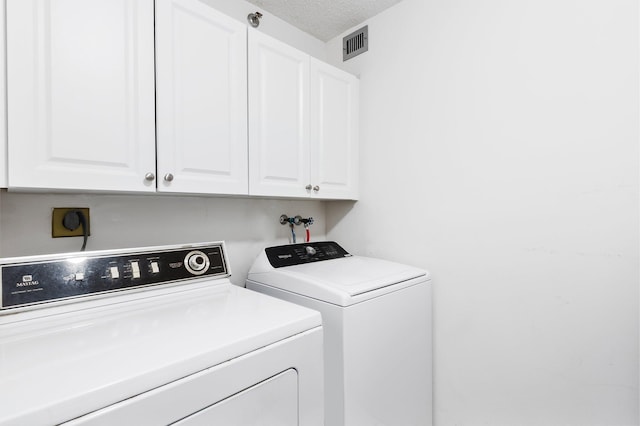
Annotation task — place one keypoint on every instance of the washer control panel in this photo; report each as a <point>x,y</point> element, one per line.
<point>297,254</point>
<point>36,280</point>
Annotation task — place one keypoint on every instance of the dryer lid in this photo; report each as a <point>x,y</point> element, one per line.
<point>116,348</point>
<point>342,281</point>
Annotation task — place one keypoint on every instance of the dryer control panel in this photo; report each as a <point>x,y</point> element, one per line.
<point>297,254</point>
<point>37,279</point>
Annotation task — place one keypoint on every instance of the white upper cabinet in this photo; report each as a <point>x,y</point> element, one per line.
<point>303,124</point>
<point>201,78</point>
<point>89,82</point>
<point>334,132</point>
<point>278,118</point>
<point>81,94</point>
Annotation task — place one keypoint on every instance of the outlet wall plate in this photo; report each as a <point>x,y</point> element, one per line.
<point>57,228</point>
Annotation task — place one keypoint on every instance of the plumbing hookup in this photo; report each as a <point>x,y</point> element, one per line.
<point>297,221</point>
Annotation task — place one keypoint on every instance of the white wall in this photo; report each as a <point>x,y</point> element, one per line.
<point>499,149</point>
<point>119,221</point>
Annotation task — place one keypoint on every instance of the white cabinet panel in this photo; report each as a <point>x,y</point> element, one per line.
<point>334,132</point>
<point>278,118</point>
<point>303,124</point>
<point>81,94</point>
<point>201,99</point>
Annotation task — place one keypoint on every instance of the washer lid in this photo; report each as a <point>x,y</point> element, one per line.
<point>343,281</point>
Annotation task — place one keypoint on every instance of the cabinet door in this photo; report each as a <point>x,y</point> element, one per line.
<point>201,99</point>
<point>278,118</point>
<point>334,132</point>
<point>81,94</point>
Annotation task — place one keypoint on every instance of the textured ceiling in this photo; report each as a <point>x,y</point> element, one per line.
<point>324,19</point>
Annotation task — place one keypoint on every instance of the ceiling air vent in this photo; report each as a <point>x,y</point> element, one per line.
<point>355,43</point>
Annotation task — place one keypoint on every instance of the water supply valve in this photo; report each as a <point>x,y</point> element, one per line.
<point>296,221</point>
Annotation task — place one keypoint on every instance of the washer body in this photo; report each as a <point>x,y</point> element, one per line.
<point>193,351</point>
<point>377,329</point>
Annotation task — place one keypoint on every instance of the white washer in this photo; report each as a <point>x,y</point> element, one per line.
<point>377,329</point>
<point>152,336</point>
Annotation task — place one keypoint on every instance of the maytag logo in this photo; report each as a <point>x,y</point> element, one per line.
<point>27,280</point>
<point>284,256</point>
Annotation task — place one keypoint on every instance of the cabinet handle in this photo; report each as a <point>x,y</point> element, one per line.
<point>168,177</point>
<point>308,187</point>
<point>149,176</point>
<point>316,188</point>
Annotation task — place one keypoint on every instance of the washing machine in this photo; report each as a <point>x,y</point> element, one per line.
<point>377,329</point>
<point>152,336</point>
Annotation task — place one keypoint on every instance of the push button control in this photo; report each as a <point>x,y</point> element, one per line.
<point>135,269</point>
<point>114,272</point>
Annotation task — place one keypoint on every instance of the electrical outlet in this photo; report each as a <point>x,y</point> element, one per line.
<point>57,222</point>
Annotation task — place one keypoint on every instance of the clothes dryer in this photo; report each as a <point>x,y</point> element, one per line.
<point>377,329</point>
<point>151,336</point>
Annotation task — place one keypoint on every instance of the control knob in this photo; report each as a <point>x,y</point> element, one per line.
<point>310,250</point>
<point>196,262</point>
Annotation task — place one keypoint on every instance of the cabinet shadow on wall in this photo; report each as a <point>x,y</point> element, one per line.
<point>336,212</point>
